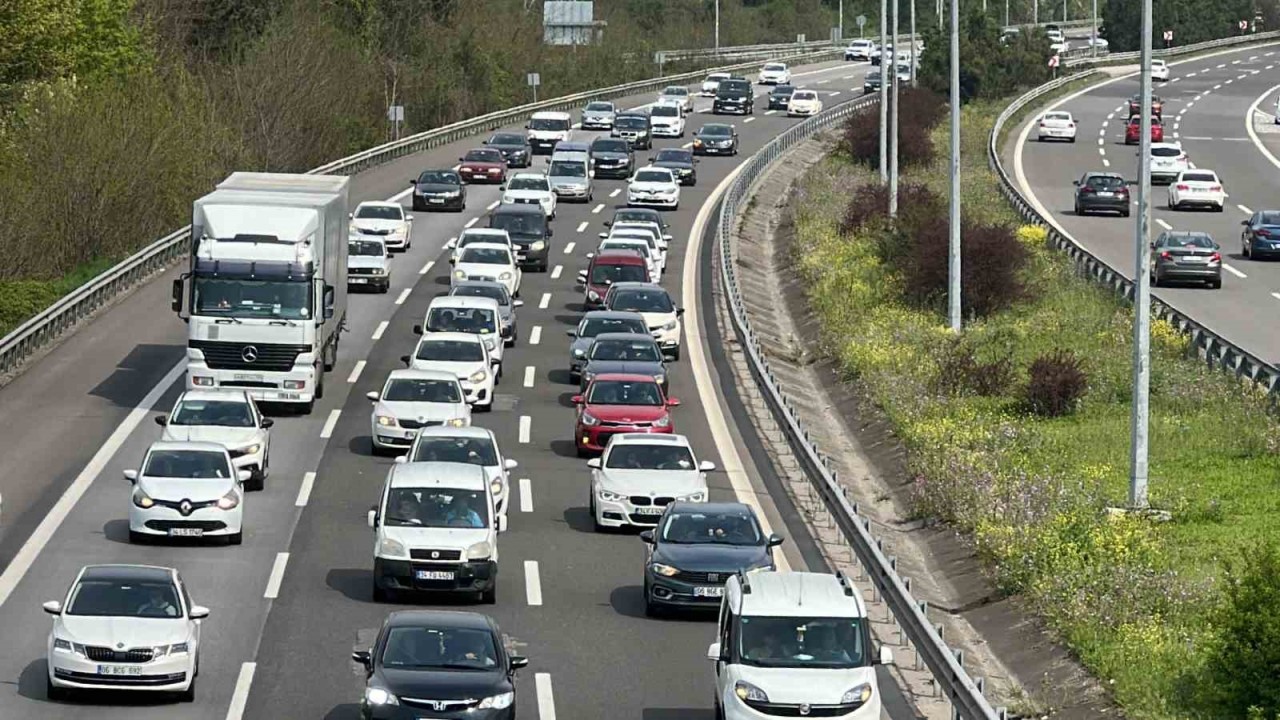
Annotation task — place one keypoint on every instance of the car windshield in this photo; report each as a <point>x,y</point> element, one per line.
<point>436,507</point>
<point>608,273</point>
<point>489,290</point>
<point>775,68</point>
<point>568,168</point>
<point>1057,116</point>
<point>120,598</point>
<point>421,390</point>
<point>1105,181</point>
<point>470,450</point>
<point>442,648</point>
<point>379,212</point>
<point>626,350</point>
<point>665,111</point>
<point>716,131</point>
<point>1199,177</point>
<point>804,95</point>
<point>467,320</point>
<point>655,176</point>
<point>224,413</point>
<point>549,124</point>
<point>675,91</point>
<point>439,177</point>
<point>450,351</point>
<point>674,156</point>
<point>592,327</point>
<point>719,528</point>
<point>624,392</point>
<point>801,642</point>
<point>735,87</point>
<point>486,256</point>
<point>528,183</point>
<point>643,301</point>
<point>649,457</point>
<point>716,77</point>
<point>631,122</point>
<point>368,248</point>
<point>1196,241</point>
<point>874,75</point>
<point>482,156</point>
<point>187,465</point>
<point>1269,218</point>
<point>506,139</point>
<point>600,107</point>
<point>610,145</point>
<point>1166,152</point>
<point>227,297</point>
<point>523,223</point>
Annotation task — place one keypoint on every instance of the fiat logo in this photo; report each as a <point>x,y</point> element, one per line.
<point>804,709</point>
<point>435,554</point>
<point>249,354</point>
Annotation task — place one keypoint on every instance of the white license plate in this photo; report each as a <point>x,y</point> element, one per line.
<point>358,281</point>
<point>1105,194</point>
<point>119,670</point>
<point>714,591</point>
<point>437,201</point>
<point>433,574</point>
<point>289,396</point>
<point>186,532</point>
<point>248,377</point>
<point>649,511</point>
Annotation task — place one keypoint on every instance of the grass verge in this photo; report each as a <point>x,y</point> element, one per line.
<point>1134,599</point>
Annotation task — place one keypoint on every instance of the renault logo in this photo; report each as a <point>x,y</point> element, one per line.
<point>249,354</point>
<point>804,709</point>
<point>119,646</point>
<point>184,507</point>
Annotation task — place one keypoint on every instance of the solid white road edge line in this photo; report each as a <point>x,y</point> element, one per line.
<point>546,703</point>
<point>277,576</point>
<point>400,195</point>
<point>1253,135</point>
<point>382,327</point>
<point>304,492</point>
<point>526,495</point>
<point>355,371</point>
<point>532,583</point>
<point>240,697</point>
<point>330,423</point>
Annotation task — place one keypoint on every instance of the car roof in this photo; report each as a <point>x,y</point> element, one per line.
<point>625,337</point>
<point>550,115</point>
<point>659,168</point>
<point>463,301</point>
<point>795,594</point>
<point>478,283</point>
<point>1103,173</point>
<point>463,476</point>
<point>571,155</point>
<point>650,439</point>
<point>192,445</point>
<point>1175,144</point>
<point>220,394</point>
<point>469,431</point>
<point>474,232</point>
<point>440,618</point>
<point>411,374</point>
<point>136,573</point>
<point>527,175</point>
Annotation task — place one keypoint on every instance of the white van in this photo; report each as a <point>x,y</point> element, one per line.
<point>792,643</point>
<point>436,530</point>
<point>466,314</point>
<point>545,129</point>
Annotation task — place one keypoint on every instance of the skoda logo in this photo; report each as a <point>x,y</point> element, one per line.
<point>185,507</point>
<point>119,646</point>
<point>249,354</point>
<point>435,555</point>
<point>804,709</point>
<point>713,577</point>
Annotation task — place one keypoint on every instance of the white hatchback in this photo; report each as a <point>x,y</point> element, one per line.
<point>804,103</point>
<point>654,304</point>
<point>385,220</point>
<point>712,83</point>
<point>414,399</point>
<point>466,357</point>
<point>654,187</point>
<point>488,262</point>
<point>186,490</point>
<point>1168,161</point>
<point>228,417</point>
<point>774,74</point>
<point>1056,125</point>
<point>1197,187</point>
<point>1159,70</point>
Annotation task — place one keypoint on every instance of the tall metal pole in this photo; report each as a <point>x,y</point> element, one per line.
<point>717,25</point>
<point>1035,12</point>
<point>1093,44</point>
<point>1006,13</point>
<point>953,253</point>
<point>893,121</point>
<point>840,23</point>
<point>1064,11</point>
<point>914,45</point>
<point>1142,288</point>
<point>884,92</point>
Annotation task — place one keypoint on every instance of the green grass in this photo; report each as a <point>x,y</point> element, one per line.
<point>21,300</point>
<point>1133,598</point>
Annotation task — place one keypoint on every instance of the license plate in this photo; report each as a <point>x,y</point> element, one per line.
<point>1106,194</point>
<point>358,281</point>
<point>289,396</point>
<point>436,201</point>
<point>714,591</point>
<point>649,511</point>
<point>248,377</point>
<point>119,670</point>
<point>433,574</point>
<point>186,532</point>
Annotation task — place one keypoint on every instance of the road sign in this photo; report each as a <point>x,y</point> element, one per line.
<point>861,20</point>
<point>1053,61</point>
<point>395,113</point>
<point>1168,36</point>
<point>533,79</point>
<point>1244,24</point>
<point>800,38</point>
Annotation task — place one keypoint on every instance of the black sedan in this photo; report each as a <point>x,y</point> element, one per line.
<point>715,139</point>
<point>1179,255</point>
<point>439,190</point>
<point>612,157</point>
<point>439,664</point>
<point>780,96</point>
<point>681,162</point>
<point>696,547</point>
<point>629,353</point>
<point>1261,236</point>
<point>515,149</point>
<point>1102,192</point>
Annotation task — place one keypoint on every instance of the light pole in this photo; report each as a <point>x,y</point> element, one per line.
<point>1064,11</point>
<point>893,121</point>
<point>717,26</point>
<point>1035,12</point>
<point>1093,43</point>
<point>840,22</point>
<point>1006,13</point>
<point>914,46</point>
<point>884,93</point>
<point>953,251</point>
<point>1142,288</point>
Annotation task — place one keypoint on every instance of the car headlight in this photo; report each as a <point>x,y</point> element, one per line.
<point>456,422</point>
<point>662,422</point>
<point>700,496</point>
<point>453,193</point>
<point>230,501</point>
<point>142,500</point>
<point>671,325</point>
<point>664,570</point>
<point>480,551</point>
<point>63,645</point>
<point>610,496</point>
<point>579,352</point>
<point>379,696</point>
<point>376,271</point>
<point>488,341</point>
<point>508,199</point>
<point>746,691</point>
<point>478,376</point>
<point>659,379</point>
<point>589,420</point>
<point>859,694</point>
<point>505,276</point>
<point>385,420</point>
<point>495,487</point>
<point>392,548</point>
<point>253,449</point>
<point>179,648</point>
<point>459,274</point>
<point>593,296</point>
<point>537,245</point>
<point>497,702</point>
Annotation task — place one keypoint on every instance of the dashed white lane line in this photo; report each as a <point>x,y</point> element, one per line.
<point>532,583</point>
<point>472,222</point>
<point>304,492</point>
<point>750,119</point>
<point>330,423</point>
<point>568,248</point>
<point>1228,81</point>
<point>526,426</point>
<point>555,272</point>
<point>687,145</point>
<point>1269,67</point>
<point>404,295</point>
<point>1106,162</point>
<point>545,302</point>
<point>529,373</point>
<point>1192,74</point>
<point>616,192</point>
<point>1110,116</point>
<point>1102,141</point>
<point>583,226</point>
<point>1220,66</point>
<point>770,112</point>
<point>491,205</point>
<point>244,681</point>
<point>277,576</point>
<point>1102,151</point>
<point>546,703</point>
<point>596,210</point>
<point>1175,79</point>
<point>535,335</point>
<point>1233,271</point>
<point>427,268</point>
<point>1163,224</point>
<point>822,82</point>
<point>1218,86</point>
<point>1233,62</point>
<point>382,327</point>
<point>355,371</point>
<point>837,92</point>
<point>1103,131</point>
<point>526,495</point>
<point>1245,210</point>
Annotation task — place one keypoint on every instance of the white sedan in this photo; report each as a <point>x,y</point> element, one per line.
<point>411,400</point>
<point>774,74</point>
<point>712,83</point>
<point>386,220</point>
<point>530,188</point>
<point>654,186</point>
<point>677,94</point>
<point>1057,125</point>
<point>1159,70</point>
<point>488,261</point>
<point>1197,188</point>
<point>804,103</point>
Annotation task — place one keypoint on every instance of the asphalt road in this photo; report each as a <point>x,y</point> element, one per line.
<point>1207,108</point>
<point>293,601</point>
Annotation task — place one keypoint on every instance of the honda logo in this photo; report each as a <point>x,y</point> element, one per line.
<point>249,354</point>
<point>438,705</point>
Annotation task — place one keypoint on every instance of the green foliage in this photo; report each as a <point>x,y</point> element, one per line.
<point>1191,21</point>
<point>1247,662</point>
<point>988,68</point>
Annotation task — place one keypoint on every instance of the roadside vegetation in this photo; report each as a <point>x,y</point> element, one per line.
<point>1018,429</point>
<point>114,114</point>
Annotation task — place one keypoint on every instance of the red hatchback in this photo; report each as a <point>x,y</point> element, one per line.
<point>607,268</point>
<point>1133,131</point>
<point>483,165</point>
<point>620,403</point>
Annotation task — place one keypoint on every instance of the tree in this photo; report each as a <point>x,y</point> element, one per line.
<point>988,67</point>
<point>1191,21</point>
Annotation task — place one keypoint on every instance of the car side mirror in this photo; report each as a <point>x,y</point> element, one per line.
<point>713,652</point>
<point>372,518</point>
<point>706,466</point>
<point>453,243</point>
<point>608,223</point>
<point>550,232</point>
<point>413,181</point>
<point>243,476</point>
<point>365,658</point>
<point>459,159</point>
<point>886,656</point>
<point>510,464</point>
<point>679,312</point>
<point>594,463</point>
<point>647,537</point>
<point>589,256</point>
<point>268,423</point>
<point>502,187</point>
<point>591,173</point>
<point>401,459</point>
<point>604,236</point>
<point>673,402</point>
<point>417,329</point>
<point>519,661</point>
<point>775,539</point>
<point>576,400</point>
<point>1076,183</point>
<point>372,395</point>
<point>53,607</point>
<point>1242,222</point>
<point>404,359</point>
<point>571,333</point>
<point>198,612</point>
<point>131,475</point>
<point>408,218</point>
<point>163,420</point>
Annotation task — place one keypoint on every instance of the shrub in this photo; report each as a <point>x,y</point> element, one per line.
<point>860,141</point>
<point>1056,383</point>
<point>991,261</point>
<point>919,111</point>
<point>920,107</point>
<point>1247,659</point>
<point>868,209</point>
<point>961,373</point>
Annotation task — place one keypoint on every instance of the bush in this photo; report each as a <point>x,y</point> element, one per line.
<point>991,261</point>
<point>1247,661</point>
<point>919,111</point>
<point>1056,383</point>
<point>961,373</point>
<point>868,209</point>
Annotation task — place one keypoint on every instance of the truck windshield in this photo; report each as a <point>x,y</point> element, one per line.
<point>225,297</point>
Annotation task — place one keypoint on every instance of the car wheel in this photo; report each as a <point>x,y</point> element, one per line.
<point>1071,140</point>
<point>386,288</point>
<point>1244,250</point>
<point>651,609</point>
<point>188,695</point>
<point>719,710</point>
<point>675,353</point>
<point>490,596</point>
<point>256,482</point>
<point>487,407</point>
<point>595,523</point>
<point>1124,213</point>
<point>137,538</point>
<point>380,595</point>
<point>1215,283</point>
<point>1079,211</point>
<point>319,395</point>
<point>235,538</point>
<point>55,693</point>
<point>1155,279</point>
<point>582,452</point>
<point>419,207</point>
<point>1222,208</point>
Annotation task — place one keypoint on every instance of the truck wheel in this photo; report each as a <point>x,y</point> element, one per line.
<point>319,394</point>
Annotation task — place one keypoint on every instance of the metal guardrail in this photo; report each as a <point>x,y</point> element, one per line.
<point>1083,56</point>
<point>53,322</point>
<point>1215,350</point>
<point>964,692</point>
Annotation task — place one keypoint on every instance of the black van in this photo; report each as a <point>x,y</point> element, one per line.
<point>529,230</point>
<point>735,97</point>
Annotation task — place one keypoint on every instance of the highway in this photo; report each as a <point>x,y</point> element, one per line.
<point>1208,107</point>
<point>290,605</point>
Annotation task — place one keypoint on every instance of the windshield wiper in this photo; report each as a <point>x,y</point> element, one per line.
<point>403,520</point>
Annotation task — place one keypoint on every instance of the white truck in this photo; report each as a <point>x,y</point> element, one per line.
<point>267,285</point>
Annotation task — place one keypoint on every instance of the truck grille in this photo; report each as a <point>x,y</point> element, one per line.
<point>267,357</point>
<point>106,654</point>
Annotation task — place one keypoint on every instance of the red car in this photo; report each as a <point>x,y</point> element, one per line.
<point>1133,131</point>
<point>620,403</point>
<point>607,268</point>
<point>483,165</point>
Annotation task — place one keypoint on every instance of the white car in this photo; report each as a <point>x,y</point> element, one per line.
<point>666,120</point>
<point>464,355</point>
<point>368,263</point>
<point>657,248</point>
<point>124,627</point>
<point>1100,44</point>
<point>186,490</point>
<point>472,445</point>
<point>414,399</point>
<point>598,115</point>
<point>1059,48</point>
<point>1197,188</point>
<point>477,235</point>
<point>657,229</point>
<point>1168,161</point>
<point>653,186</point>
<point>479,316</point>
<point>860,50</point>
<point>774,74</point>
<point>654,304</point>
<point>1055,36</point>
<point>638,245</point>
<point>531,188</point>
<point>679,95</point>
<point>1056,125</point>
<point>545,129</point>
<point>804,103</point>
<point>228,417</point>
<point>385,220</point>
<point>661,468</point>
<point>436,529</point>
<point>712,83</point>
<point>1159,70</point>
<point>490,262</point>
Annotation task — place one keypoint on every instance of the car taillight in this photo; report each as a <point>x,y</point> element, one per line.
<point>1071,124</point>
<point>1216,257</point>
<point>1086,190</point>
<point>1165,255</point>
<point>1183,187</point>
<point>1123,190</point>
<point>1264,232</point>
<point>1042,123</point>
<point>1216,188</point>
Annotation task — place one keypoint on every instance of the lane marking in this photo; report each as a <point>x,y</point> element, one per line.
<point>526,425</point>
<point>330,423</point>
<point>770,112</point>
<point>528,376</point>
<point>583,226</point>
<point>596,210</point>
<point>382,327</point>
<point>1101,141</point>
<point>532,583</point>
<point>1218,86</point>
<point>244,681</point>
<point>546,703</point>
<point>1191,74</point>
<point>568,249</point>
<point>822,82</point>
<point>1276,295</point>
<point>615,193</point>
<point>750,119</point>
<point>526,495</point>
<point>1245,210</point>
<point>400,195</point>
<point>26,556</point>
<point>277,576</point>
<point>404,295</point>
<point>491,205</point>
<point>1106,162</point>
<point>355,371</point>
<point>471,223</point>
<point>1233,271</point>
<point>545,301</point>
<point>1163,224</point>
<point>837,92</point>
<point>535,335</point>
<point>555,272</point>
<point>304,492</point>
<point>1221,65</point>
<point>427,268</point>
